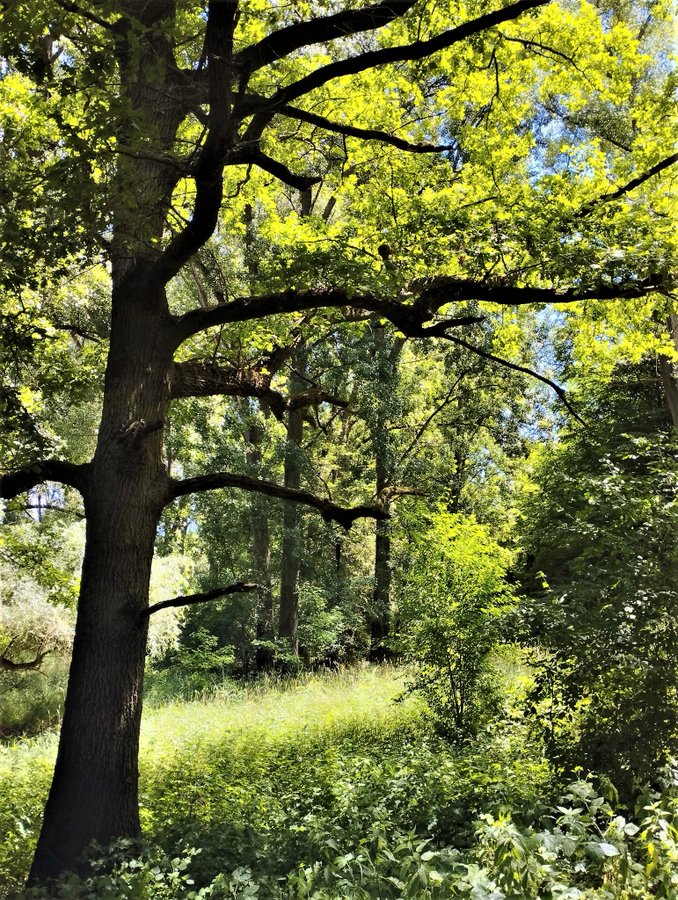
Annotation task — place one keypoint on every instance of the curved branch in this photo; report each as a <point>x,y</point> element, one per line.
<point>77,10</point>
<point>240,587</point>
<point>368,134</point>
<point>345,516</point>
<point>15,483</point>
<point>408,317</point>
<point>256,157</point>
<point>343,24</point>
<point>6,663</point>
<point>406,53</point>
<point>524,370</point>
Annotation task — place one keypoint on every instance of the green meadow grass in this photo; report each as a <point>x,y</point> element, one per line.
<point>192,749</point>
<point>330,786</point>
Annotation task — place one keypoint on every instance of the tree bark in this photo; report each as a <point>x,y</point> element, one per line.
<point>290,562</point>
<point>93,796</point>
<point>261,553</point>
<point>380,619</point>
<point>669,372</point>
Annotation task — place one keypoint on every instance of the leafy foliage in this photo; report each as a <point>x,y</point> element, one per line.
<point>449,615</point>
<point>601,524</point>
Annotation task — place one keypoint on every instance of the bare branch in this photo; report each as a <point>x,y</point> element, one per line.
<point>7,663</point>
<point>343,24</point>
<point>77,10</point>
<point>240,587</point>
<point>15,483</point>
<point>629,186</point>
<point>420,431</point>
<point>524,370</point>
<point>253,156</point>
<point>345,516</point>
<point>368,134</point>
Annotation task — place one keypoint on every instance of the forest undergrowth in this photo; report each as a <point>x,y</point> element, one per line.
<point>330,786</point>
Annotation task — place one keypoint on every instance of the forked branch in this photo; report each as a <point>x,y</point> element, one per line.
<point>405,53</point>
<point>343,24</point>
<point>407,315</point>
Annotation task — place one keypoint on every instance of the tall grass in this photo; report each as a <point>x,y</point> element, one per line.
<point>232,728</point>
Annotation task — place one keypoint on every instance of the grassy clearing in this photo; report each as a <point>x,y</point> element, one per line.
<point>235,731</point>
<point>323,787</point>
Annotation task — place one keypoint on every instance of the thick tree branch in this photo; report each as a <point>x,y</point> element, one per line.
<point>15,483</point>
<point>367,134</point>
<point>437,291</point>
<point>191,379</point>
<point>406,53</point>
<point>345,516</point>
<point>392,492</point>
<point>208,379</point>
<point>343,24</point>
<point>209,167</point>
<point>409,317</point>
<point>629,186</point>
<point>240,587</point>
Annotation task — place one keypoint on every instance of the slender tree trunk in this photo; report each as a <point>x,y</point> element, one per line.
<point>669,372</point>
<point>380,619</point>
<point>261,553</point>
<point>94,790</point>
<point>290,563</point>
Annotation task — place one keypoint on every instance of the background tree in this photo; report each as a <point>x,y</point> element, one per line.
<point>599,518</point>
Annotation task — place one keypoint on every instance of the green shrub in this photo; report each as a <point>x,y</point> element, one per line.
<point>449,616</point>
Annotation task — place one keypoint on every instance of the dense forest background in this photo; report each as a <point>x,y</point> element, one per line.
<point>415,634</point>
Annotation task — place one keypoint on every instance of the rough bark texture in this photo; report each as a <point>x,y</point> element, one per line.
<point>94,791</point>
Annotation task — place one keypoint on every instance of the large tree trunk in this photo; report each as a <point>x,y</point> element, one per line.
<point>94,791</point>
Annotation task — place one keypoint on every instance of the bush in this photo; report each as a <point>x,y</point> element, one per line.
<point>449,616</point>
